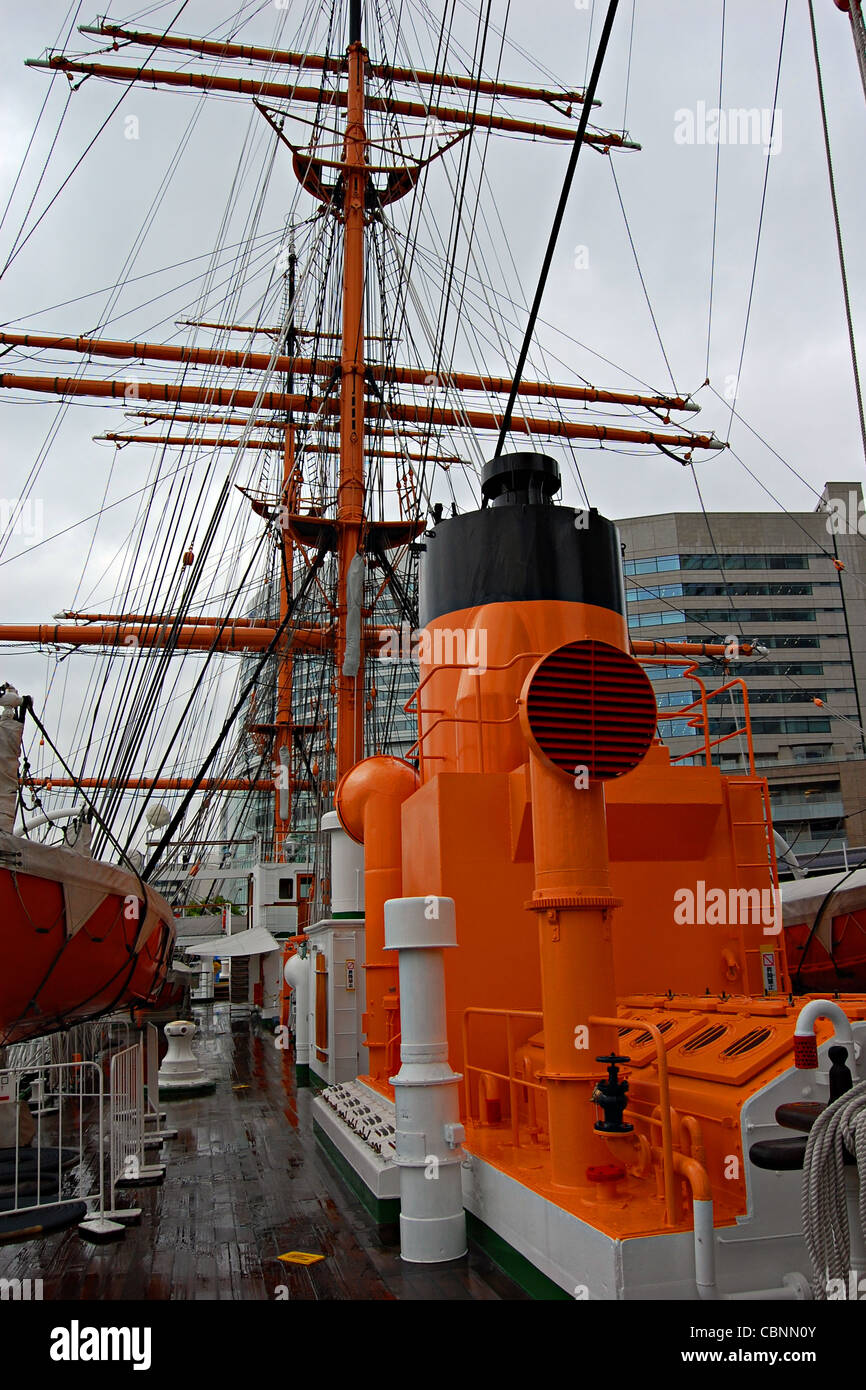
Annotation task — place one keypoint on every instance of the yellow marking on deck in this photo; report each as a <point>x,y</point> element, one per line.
<point>300,1257</point>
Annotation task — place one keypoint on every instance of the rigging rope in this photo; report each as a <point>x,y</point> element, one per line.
<point>715,199</point>
<point>824,1191</point>
<point>557,221</point>
<point>838,226</point>
<point>760,215</point>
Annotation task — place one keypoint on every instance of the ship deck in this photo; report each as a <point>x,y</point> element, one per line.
<point>245,1182</point>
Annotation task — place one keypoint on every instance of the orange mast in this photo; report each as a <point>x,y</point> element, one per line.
<point>349,671</point>
<point>348,632</point>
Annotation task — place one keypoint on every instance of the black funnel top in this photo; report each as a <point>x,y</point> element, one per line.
<point>519,478</point>
<point>520,546</point>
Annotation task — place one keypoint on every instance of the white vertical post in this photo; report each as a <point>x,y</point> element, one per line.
<point>429,1132</point>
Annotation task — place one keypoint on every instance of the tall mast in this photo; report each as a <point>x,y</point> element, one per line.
<point>349,665</point>
<point>283,749</point>
<point>338,525</point>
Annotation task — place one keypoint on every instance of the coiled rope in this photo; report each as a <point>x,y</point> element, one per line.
<point>824,1204</point>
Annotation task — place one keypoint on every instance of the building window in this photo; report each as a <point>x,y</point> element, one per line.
<point>639,592</point>
<point>286,889</point>
<point>745,562</point>
<point>657,618</point>
<point>810,752</point>
<point>753,615</point>
<point>654,565</point>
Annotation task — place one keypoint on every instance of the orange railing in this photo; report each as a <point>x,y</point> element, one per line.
<point>509,1076</point>
<point>699,708</point>
<point>477,719</point>
<point>514,1080</point>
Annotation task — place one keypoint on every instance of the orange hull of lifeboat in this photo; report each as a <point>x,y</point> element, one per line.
<point>814,968</point>
<point>825,931</point>
<point>78,938</point>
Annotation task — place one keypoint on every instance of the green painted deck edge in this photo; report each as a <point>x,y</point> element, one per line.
<point>315,1080</point>
<point>518,1268</point>
<point>302,1075</point>
<point>384,1210</point>
<point>347,917</point>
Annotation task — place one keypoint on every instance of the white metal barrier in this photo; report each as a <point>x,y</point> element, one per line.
<point>126,1099</point>
<point>75,1131</point>
<point>57,1155</point>
<point>127,1110</point>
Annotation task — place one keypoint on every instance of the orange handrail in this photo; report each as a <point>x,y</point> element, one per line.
<point>512,1080</point>
<point>700,704</point>
<point>478,718</point>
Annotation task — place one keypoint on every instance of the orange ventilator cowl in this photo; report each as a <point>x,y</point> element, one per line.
<point>589,705</point>
<point>377,776</point>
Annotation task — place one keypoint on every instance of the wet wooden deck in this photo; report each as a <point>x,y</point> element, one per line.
<point>245,1182</point>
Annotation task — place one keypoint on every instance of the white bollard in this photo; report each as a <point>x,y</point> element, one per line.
<point>429,1132</point>
<point>297,974</point>
<point>181,1070</point>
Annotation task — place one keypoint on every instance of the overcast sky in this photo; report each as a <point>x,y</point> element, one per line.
<point>796,386</point>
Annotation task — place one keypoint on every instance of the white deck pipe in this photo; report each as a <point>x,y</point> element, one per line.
<point>429,1133</point>
<point>347,870</point>
<point>826,1008</point>
<point>297,974</point>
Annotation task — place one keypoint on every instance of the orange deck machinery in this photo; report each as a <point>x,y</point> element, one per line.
<point>617,1002</point>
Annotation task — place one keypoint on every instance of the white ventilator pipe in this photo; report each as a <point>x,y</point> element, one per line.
<point>805,1042</point>
<point>297,974</point>
<point>793,1289</point>
<point>347,869</point>
<point>429,1132</point>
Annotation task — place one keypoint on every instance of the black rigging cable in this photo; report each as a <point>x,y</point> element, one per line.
<point>557,221</point>
<point>760,215</point>
<point>235,711</point>
<point>838,227</point>
<point>715,198</point>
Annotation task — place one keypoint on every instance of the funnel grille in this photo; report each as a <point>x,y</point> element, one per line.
<point>591,705</point>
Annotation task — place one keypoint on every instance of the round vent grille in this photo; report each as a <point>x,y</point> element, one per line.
<point>590,705</point>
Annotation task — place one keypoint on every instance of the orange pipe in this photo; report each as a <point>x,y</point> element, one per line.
<point>368,802</point>
<point>671,649</point>
<point>695,1175</point>
<point>666,1114</point>
<point>692,1127</point>
<point>573,900</point>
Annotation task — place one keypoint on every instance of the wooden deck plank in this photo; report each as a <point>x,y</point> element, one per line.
<point>245,1182</point>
